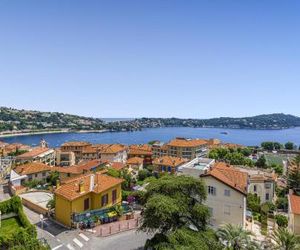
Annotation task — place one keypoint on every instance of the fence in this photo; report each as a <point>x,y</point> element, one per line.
<point>116,227</point>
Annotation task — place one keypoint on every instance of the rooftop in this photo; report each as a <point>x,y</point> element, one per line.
<point>169,161</point>
<point>38,151</point>
<point>95,183</point>
<point>294,203</point>
<point>113,149</point>
<point>230,176</point>
<point>31,168</point>
<point>135,161</point>
<point>76,144</point>
<point>183,142</point>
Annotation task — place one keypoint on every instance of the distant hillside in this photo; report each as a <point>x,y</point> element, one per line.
<point>14,119</point>
<point>24,120</point>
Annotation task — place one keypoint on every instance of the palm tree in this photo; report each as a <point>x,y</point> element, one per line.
<point>284,240</point>
<point>236,238</point>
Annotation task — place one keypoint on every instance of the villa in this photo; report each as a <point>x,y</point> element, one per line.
<point>88,192</point>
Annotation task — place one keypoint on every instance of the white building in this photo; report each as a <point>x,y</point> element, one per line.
<point>196,167</point>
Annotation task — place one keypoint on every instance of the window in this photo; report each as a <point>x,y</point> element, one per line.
<point>86,204</point>
<point>267,197</point>
<point>227,209</point>
<point>227,192</point>
<point>36,175</point>
<point>267,185</point>
<point>169,169</point>
<point>104,200</point>
<point>44,174</point>
<point>212,190</point>
<point>254,188</point>
<point>114,196</point>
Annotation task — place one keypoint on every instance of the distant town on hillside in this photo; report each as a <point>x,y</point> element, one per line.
<point>15,120</point>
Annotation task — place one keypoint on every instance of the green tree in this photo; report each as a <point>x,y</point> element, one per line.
<point>236,238</point>
<point>173,205</point>
<point>143,174</point>
<point>261,162</point>
<point>281,220</point>
<point>113,172</point>
<point>289,145</point>
<point>282,203</point>
<point>253,202</point>
<point>53,177</point>
<point>284,240</point>
<point>277,168</point>
<point>294,174</point>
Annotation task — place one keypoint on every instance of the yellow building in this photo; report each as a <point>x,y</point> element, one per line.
<point>294,213</point>
<point>88,192</point>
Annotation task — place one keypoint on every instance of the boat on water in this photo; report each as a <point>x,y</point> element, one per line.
<point>224,133</point>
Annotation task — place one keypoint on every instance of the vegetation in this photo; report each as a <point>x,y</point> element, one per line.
<point>269,145</point>
<point>253,202</point>
<point>281,220</point>
<point>289,145</point>
<point>294,175</point>
<point>172,206</point>
<point>236,238</point>
<point>232,156</point>
<point>13,119</point>
<point>284,240</point>
<point>22,237</point>
<point>261,162</point>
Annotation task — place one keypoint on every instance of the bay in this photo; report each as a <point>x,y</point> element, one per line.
<point>240,136</point>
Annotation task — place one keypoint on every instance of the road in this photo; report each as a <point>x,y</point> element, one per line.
<point>60,238</point>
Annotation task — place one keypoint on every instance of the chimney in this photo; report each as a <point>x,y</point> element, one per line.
<point>57,183</point>
<point>81,186</point>
<point>92,182</point>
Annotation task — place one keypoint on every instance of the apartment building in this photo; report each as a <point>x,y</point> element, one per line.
<point>88,192</point>
<point>65,159</point>
<point>5,166</point>
<point>75,146</point>
<point>181,147</point>
<point>168,164</point>
<point>38,154</point>
<point>262,183</point>
<point>227,191</point>
<point>114,153</point>
<point>196,167</point>
<point>141,151</point>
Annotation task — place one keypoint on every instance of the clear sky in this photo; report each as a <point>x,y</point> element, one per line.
<point>163,58</point>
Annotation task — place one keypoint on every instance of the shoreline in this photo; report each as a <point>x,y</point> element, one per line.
<point>7,135</point>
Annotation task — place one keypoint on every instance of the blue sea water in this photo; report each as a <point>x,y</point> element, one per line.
<point>240,136</point>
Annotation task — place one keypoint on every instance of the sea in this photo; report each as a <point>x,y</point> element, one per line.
<point>247,137</point>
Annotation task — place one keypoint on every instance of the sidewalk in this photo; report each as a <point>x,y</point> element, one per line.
<point>117,227</point>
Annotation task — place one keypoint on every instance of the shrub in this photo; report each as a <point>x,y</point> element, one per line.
<point>281,220</point>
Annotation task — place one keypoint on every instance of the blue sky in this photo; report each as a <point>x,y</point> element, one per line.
<point>162,58</point>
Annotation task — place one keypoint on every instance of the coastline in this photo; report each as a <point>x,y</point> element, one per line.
<point>6,135</point>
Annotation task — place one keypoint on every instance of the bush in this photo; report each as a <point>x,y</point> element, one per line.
<point>143,174</point>
<point>253,202</point>
<point>281,220</point>
<point>282,203</point>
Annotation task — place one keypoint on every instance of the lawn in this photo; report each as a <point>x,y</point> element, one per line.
<point>275,159</point>
<point>8,226</point>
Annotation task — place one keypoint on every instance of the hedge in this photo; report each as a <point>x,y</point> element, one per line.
<point>22,238</point>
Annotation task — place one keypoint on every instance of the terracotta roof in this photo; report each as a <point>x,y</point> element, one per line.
<point>113,149</point>
<point>76,144</point>
<point>116,165</point>
<point>33,153</point>
<point>89,150</point>
<point>31,168</point>
<point>70,190</point>
<point>80,168</point>
<point>143,149</point>
<point>230,176</point>
<point>135,161</point>
<point>183,142</point>
<point>169,161</point>
<point>294,203</point>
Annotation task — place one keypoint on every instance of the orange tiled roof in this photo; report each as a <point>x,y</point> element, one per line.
<point>79,169</point>
<point>70,190</point>
<point>31,168</point>
<point>116,165</point>
<point>182,142</point>
<point>135,161</point>
<point>295,203</point>
<point>33,153</point>
<point>113,149</point>
<point>76,144</point>
<point>230,176</point>
<point>89,150</point>
<point>143,149</point>
<point>169,161</point>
